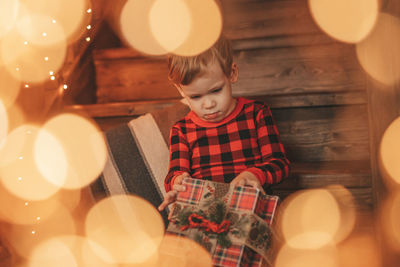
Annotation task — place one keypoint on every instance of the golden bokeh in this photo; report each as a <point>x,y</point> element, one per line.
<point>50,158</point>
<point>69,249</point>
<point>18,170</point>
<point>135,27</point>
<point>179,251</point>
<point>389,221</point>
<point>359,251</point>
<point>69,15</point>
<point>29,62</point>
<point>203,32</point>
<point>8,15</point>
<point>390,152</point>
<point>310,219</point>
<point>24,238</point>
<point>378,54</point>
<point>80,150</point>
<point>170,23</point>
<point>289,257</point>
<point>9,87</point>
<point>345,20</point>
<point>128,227</point>
<point>3,124</point>
<point>347,208</point>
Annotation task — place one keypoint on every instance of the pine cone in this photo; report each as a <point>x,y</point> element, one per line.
<point>253,234</point>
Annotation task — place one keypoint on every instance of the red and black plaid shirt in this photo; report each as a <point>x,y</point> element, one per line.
<point>246,140</point>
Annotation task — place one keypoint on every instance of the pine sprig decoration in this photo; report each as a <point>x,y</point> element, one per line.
<point>218,212</point>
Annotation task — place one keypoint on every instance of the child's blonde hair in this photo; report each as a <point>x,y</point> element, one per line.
<point>183,70</point>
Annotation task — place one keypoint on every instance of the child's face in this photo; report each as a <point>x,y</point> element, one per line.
<point>210,94</point>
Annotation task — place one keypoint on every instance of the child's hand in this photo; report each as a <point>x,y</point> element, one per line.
<point>247,178</point>
<point>170,197</point>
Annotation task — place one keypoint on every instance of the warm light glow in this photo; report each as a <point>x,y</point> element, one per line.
<point>135,27</point>
<point>50,158</point>
<point>359,251</point>
<point>8,15</point>
<point>170,23</point>
<point>69,15</point>
<point>378,54</point>
<point>73,250</point>
<point>24,238</point>
<point>203,32</point>
<point>310,219</point>
<point>389,221</point>
<point>77,144</point>
<point>9,87</point>
<point>345,20</point>
<point>178,251</point>
<point>347,208</point>
<point>3,124</point>
<point>16,160</point>
<point>390,152</point>
<point>128,227</point>
<point>290,257</point>
<point>29,58</point>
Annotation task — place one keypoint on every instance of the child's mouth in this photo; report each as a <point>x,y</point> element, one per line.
<point>211,116</point>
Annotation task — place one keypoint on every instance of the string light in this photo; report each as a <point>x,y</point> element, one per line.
<point>52,78</point>
<point>89,10</point>
<point>26,203</point>
<point>46,58</point>
<point>88,27</point>
<point>17,69</point>
<point>33,232</point>
<point>51,72</point>
<point>38,218</point>
<point>65,87</point>
<point>21,157</point>
<point>26,43</point>
<point>44,34</point>
<point>87,39</point>
<point>54,21</point>
<point>20,178</point>
<point>26,85</point>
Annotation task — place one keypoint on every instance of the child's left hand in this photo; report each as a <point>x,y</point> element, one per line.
<point>247,178</point>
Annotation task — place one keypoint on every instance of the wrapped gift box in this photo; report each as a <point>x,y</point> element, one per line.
<point>233,224</point>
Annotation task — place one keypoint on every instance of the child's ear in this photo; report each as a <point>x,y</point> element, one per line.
<point>234,73</point>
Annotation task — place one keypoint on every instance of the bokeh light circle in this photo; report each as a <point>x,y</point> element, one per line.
<point>8,15</point>
<point>310,219</point>
<point>83,148</point>
<point>390,151</point>
<point>289,257</point>
<point>18,170</point>
<point>345,20</point>
<point>9,87</point>
<point>29,62</point>
<point>24,238</point>
<point>378,54</point>
<point>170,23</point>
<point>3,124</point>
<point>128,227</point>
<point>203,32</point>
<point>135,27</point>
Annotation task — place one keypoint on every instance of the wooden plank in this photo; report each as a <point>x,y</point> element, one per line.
<point>288,70</point>
<point>307,175</point>
<point>324,133</point>
<point>280,71</point>
<point>362,196</point>
<point>255,18</point>
<point>139,79</point>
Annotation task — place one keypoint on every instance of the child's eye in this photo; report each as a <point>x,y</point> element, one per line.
<point>216,90</point>
<point>194,97</point>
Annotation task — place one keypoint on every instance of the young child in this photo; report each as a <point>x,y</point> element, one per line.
<point>223,139</point>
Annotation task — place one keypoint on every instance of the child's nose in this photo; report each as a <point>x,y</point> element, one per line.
<point>208,103</point>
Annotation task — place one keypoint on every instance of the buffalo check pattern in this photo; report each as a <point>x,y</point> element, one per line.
<point>246,140</point>
<point>247,200</point>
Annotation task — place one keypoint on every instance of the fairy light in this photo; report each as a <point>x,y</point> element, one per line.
<point>26,43</point>
<point>38,218</point>
<point>65,87</point>
<point>21,158</point>
<point>26,203</point>
<point>88,27</point>
<point>44,34</point>
<point>46,58</point>
<point>20,178</point>
<point>26,85</point>
<point>33,232</point>
<point>53,21</point>
<point>52,78</point>
<point>89,10</point>
<point>51,72</point>
<point>87,39</point>
<point>17,69</point>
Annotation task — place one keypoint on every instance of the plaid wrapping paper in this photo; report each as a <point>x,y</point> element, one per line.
<point>248,210</point>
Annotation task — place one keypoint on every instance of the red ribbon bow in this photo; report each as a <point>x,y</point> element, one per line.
<point>198,221</point>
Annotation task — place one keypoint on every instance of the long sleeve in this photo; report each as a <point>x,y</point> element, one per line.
<point>274,166</point>
<point>179,161</point>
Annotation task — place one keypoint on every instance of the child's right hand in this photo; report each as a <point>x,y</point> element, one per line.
<point>170,197</point>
